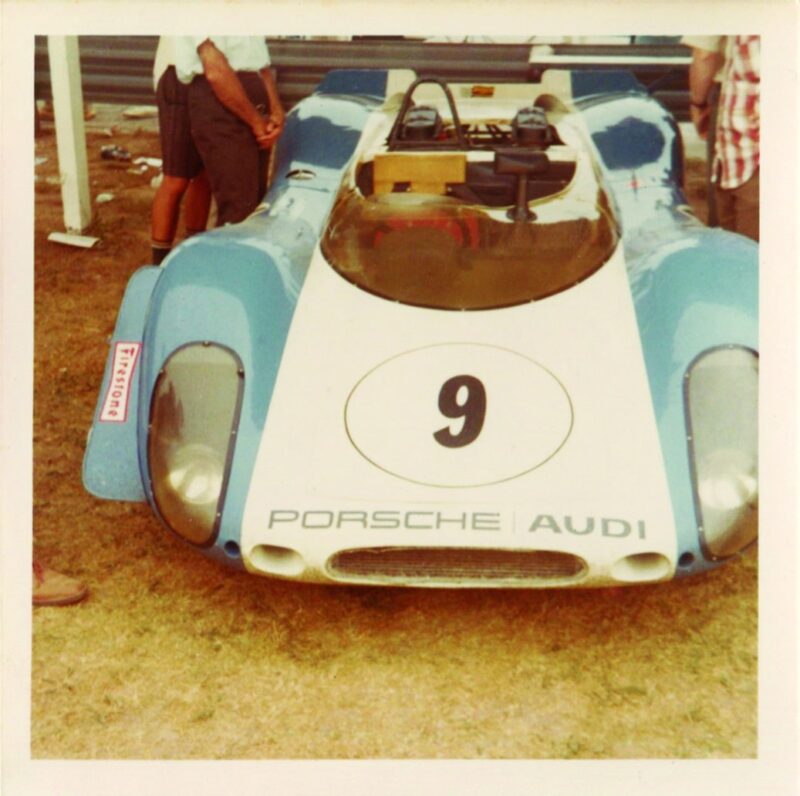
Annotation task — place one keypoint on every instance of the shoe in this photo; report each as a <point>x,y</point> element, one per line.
<point>53,588</point>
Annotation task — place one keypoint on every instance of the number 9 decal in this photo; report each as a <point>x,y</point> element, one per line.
<point>472,408</point>
<point>394,415</point>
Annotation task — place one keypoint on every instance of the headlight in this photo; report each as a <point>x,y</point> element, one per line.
<point>722,415</point>
<point>193,418</point>
<point>196,474</point>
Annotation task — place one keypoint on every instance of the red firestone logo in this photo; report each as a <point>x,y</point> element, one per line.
<point>115,404</point>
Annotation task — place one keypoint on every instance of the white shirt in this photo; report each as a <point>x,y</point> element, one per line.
<point>165,57</point>
<point>244,54</point>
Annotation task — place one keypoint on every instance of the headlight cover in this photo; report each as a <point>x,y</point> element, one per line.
<point>722,418</point>
<point>194,414</point>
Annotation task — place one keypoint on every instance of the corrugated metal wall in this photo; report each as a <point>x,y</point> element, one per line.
<point>118,69</point>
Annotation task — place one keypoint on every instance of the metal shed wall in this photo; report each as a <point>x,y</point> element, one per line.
<point>118,69</point>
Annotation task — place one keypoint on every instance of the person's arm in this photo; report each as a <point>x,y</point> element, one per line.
<point>277,117</point>
<point>228,88</point>
<point>702,70</point>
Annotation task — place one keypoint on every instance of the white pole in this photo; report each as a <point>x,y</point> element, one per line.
<point>65,79</point>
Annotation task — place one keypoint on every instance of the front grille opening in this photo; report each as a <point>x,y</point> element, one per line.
<point>442,565</point>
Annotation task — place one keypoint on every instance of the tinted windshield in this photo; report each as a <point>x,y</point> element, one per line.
<point>442,252</point>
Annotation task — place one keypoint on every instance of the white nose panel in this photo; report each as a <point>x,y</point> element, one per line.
<point>396,429</point>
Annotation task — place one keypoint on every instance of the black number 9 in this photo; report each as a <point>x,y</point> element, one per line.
<point>472,408</point>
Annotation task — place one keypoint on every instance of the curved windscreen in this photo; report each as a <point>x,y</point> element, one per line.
<point>441,252</point>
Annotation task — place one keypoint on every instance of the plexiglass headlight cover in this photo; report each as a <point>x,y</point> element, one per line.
<point>194,414</point>
<point>722,418</point>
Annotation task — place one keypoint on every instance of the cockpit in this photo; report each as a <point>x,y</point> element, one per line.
<point>487,211</point>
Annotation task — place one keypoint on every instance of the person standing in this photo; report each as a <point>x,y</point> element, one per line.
<point>183,175</point>
<point>735,166</point>
<point>705,76</point>
<point>738,137</point>
<point>235,115</point>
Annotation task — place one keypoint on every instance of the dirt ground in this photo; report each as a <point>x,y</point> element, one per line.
<point>175,657</point>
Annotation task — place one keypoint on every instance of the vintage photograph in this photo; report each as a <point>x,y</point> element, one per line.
<point>396,397</point>
<point>293,395</point>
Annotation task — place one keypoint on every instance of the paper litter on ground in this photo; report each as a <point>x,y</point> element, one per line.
<point>70,239</point>
<point>140,111</point>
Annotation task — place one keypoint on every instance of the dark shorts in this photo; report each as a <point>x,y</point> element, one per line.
<point>738,208</point>
<point>178,151</point>
<point>237,168</point>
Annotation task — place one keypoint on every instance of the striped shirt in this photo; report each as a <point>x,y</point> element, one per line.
<point>738,124</point>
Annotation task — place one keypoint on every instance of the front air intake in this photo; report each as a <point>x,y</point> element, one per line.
<point>448,565</point>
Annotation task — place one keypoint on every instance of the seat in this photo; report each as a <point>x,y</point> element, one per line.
<point>428,172</point>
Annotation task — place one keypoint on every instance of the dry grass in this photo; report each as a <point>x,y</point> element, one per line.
<point>173,656</point>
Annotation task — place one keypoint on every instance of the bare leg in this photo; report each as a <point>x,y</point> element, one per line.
<point>166,209</point>
<point>198,204</point>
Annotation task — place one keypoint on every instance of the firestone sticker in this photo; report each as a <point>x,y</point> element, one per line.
<point>115,404</point>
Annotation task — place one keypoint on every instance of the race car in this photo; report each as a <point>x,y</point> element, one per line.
<point>473,337</point>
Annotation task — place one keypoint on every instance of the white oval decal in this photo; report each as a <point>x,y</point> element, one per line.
<point>458,415</point>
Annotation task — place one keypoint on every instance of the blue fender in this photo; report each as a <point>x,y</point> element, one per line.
<point>693,288</point>
<point>240,295</point>
<point>111,463</point>
<point>691,297</point>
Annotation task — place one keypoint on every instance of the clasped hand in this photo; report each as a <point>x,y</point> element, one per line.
<point>269,131</point>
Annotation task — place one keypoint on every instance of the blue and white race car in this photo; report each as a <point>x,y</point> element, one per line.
<point>473,337</point>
